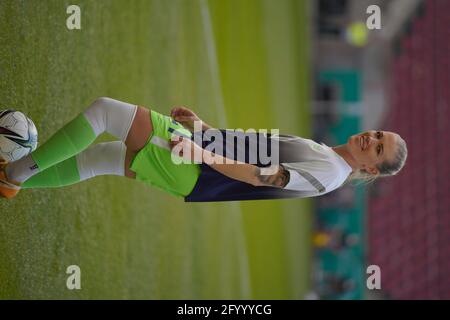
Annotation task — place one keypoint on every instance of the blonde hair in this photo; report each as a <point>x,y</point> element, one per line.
<point>386,169</point>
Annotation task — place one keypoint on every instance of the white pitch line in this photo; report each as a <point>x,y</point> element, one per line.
<point>213,63</point>
<point>220,107</point>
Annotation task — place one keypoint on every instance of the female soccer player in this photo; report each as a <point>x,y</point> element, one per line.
<point>144,152</point>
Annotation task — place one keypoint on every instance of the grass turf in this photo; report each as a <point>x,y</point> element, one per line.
<point>238,64</point>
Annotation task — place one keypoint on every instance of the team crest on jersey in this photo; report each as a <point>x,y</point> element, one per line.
<point>316,146</point>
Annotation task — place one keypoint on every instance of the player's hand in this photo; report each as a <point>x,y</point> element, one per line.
<point>184,116</point>
<point>187,149</point>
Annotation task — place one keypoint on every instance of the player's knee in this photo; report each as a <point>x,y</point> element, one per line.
<point>106,158</point>
<point>95,115</point>
<point>100,103</point>
<point>110,115</point>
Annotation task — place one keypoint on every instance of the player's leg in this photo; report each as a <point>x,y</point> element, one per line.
<point>137,137</point>
<point>110,158</point>
<point>105,114</point>
<point>106,158</point>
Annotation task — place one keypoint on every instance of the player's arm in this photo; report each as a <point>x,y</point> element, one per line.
<point>187,118</point>
<point>279,178</point>
<point>275,176</point>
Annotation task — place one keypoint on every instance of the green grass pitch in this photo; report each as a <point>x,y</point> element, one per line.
<point>239,64</point>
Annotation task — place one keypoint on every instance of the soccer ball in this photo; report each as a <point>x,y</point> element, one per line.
<point>18,135</point>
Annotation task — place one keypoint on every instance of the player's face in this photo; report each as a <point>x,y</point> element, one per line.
<point>372,148</point>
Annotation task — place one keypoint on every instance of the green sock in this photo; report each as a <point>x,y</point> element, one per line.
<point>70,140</point>
<point>62,174</point>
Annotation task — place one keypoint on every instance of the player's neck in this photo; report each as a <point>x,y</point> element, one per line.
<point>342,150</point>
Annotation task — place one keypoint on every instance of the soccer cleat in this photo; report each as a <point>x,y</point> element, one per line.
<point>8,189</point>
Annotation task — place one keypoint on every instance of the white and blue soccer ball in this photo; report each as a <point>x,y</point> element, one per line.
<point>18,135</point>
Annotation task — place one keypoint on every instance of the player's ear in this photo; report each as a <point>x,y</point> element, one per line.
<point>371,170</point>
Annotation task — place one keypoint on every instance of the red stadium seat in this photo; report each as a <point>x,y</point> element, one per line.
<point>409,222</point>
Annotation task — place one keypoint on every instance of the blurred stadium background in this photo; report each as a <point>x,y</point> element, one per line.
<point>303,66</point>
<point>396,78</point>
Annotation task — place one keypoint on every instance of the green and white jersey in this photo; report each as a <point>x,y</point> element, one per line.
<point>324,171</point>
<point>314,169</point>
